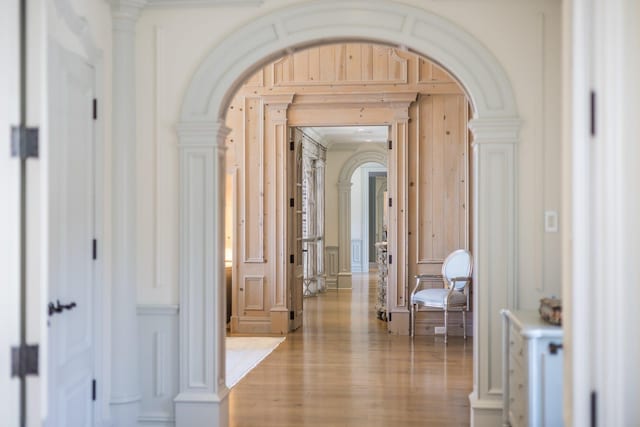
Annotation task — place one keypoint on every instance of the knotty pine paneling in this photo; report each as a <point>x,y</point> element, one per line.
<point>439,174</point>
<point>430,161</point>
<point>253,168</point>
<point>253,294</point>
<point>341,64</point>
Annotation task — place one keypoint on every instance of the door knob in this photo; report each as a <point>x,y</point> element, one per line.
<point>59,308</point>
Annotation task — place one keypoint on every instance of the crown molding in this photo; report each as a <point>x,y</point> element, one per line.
<point>156,4</point>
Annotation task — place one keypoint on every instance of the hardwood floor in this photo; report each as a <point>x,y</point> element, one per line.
<point>343,369</point>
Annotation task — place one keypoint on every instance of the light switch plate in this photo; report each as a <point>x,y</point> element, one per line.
<point>551,221</point>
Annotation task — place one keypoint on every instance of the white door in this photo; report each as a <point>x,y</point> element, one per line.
<point>71,227</point>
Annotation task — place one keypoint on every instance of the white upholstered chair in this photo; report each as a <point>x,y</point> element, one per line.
<point>456,275</point>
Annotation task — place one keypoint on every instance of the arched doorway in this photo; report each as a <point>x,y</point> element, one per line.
<point>344,207</point>
<point>201,130</point>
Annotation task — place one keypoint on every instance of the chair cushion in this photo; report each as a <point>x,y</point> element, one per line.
<point>436,298</point>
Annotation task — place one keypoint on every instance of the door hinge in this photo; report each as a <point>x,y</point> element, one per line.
<point>93,390</point>
<point>95,249</point>
<point>390,144</point>
<point>95,109</point>
<point>292,315</point>
<point>24,142</point>
<point>291,145</point>
<point>594,412</point>
<point>24,360</point>
<point>291,259</point>
<point>592,112</point>
<point>390,316</point>
<point>291,202</point>
<point>390,259</point>
<point>390,202</point>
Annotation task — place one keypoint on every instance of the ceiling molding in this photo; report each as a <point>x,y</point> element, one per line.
<point>203,3</point>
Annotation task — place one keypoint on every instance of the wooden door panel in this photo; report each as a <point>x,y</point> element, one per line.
<point>438,176</point>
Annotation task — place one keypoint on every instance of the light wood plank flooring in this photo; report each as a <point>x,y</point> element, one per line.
<point>343,369</point>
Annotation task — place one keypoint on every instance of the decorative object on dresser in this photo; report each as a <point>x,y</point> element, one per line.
<point>551,310</point>
<point>456,274</point>
<point>532,370</point>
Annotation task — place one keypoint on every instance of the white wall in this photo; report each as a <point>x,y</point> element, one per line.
<point>171,44</point>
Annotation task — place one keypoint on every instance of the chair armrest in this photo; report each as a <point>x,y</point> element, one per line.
<point>465,279</point>
<point>419,277</point>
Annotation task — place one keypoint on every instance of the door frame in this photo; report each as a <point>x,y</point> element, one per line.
<point>202,132</point>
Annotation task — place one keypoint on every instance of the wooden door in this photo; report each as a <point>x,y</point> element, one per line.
<point>295,227</point>
<point>71,247</point>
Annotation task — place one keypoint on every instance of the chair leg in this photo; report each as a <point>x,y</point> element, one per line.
<point>412,320</point>
<point>446,316</point>
<point>464,323</point>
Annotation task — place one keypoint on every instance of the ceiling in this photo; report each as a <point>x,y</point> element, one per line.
<point>330,135</point>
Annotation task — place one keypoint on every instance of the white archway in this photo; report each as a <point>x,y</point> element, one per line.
<point>344,209</point>
<point>201,130</point>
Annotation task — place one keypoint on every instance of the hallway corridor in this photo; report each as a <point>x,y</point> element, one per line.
<point>342,369</point>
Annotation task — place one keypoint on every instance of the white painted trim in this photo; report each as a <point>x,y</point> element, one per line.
<point>79,27</point>
<point>577,235</point>
<point>364,220</point>
<point>202,3</point>
<point>157,310</point>
<point>202,314</point>
<point>344,203</point>
<point>495,127</point>
<point>156,419</point>
<point>282,31</point>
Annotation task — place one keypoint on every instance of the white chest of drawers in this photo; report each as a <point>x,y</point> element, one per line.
<point>532,370</point>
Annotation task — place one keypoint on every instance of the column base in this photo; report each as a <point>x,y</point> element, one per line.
<point>344,280</point>
<point>125,411</point>
<point>202,410</point>
<point>399,323</point>
<point>279,321</point>
<point>485,412</point>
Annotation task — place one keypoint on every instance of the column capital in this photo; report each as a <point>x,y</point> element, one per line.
<point>125,13</point>
<point>202,134</point>
<point>400,110</point>
<point>492,130</point>
<point>344,186</point>
<point>277,105</point>
<point>279,100</point>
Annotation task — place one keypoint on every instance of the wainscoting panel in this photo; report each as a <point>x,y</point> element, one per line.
<point>158,333</point>
<point>331,264</point>
<point>356,256</point>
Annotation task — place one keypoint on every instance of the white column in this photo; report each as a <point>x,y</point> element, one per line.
<point>202,399</point>
<point>495,256</point>
<point>125,380</point>
<point>344,234</point>
<point>320,167</point>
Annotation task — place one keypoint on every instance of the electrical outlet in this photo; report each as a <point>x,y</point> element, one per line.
<point>439,330</point>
